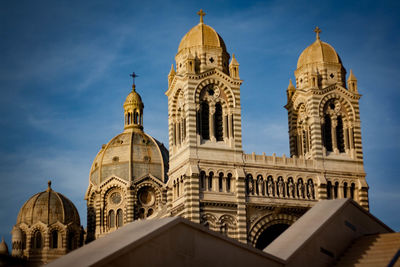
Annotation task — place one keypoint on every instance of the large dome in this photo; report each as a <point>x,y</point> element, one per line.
<point>48,207</point>
<point>130,155</point>
<point>318,52</point>
<point>201,35</point>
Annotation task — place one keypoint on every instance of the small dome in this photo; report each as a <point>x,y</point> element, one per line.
<point>201,35</point>
<point>318,52</point>
<point>3,248</point>
<point>48,207</point>
<point>133,100</point>
<point>129,156</point>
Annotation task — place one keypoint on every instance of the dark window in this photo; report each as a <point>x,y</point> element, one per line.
<point>210,178</point>
<point>120,218</point>
<point>38,240</point>
<point>327,133</point>
<point>352,189</point>
<point>205,124</point>
<point>54,239</point>
<point>221,175</point>
<point>219,128</point>
<point>111,219</point>
<point>339,134</point>
<point>335,190</point>
<point>345,190</point>
<point>228,182</point>
<point>329,190</point>
<point>202,179</point>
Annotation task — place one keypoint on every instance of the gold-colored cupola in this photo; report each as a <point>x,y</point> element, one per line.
<point>133,109</point>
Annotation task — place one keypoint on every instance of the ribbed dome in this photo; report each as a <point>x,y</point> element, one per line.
<point>201,35</point>
<point>129,156</point>
<point>133,100</point>
<point>318,52</point>
<point>48,207</point>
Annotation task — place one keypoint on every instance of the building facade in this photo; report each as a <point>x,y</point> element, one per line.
<point>253,198</point>
<point>207,178</point>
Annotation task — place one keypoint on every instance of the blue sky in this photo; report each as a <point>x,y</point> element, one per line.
<point>64,74</point>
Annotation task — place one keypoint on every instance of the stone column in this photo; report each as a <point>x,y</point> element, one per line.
<point>211,125</point>
<point>333,134</point>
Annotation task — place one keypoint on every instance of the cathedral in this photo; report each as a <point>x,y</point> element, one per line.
<point>204,175</point>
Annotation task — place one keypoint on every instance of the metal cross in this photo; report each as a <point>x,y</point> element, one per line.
<point>317,31</point>
<point>201,14</point>
<point>133,75</point>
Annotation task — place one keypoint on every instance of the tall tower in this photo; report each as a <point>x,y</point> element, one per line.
<point>324,118</point>
<point>204,116</point>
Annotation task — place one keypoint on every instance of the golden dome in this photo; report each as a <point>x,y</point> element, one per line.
<point>129,156</point>
<point>201,35</point>
<point>48,207</point>
<point>318,52</point>
<point>133,100</point>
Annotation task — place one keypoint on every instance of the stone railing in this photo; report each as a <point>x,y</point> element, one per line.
<point>274,160</point>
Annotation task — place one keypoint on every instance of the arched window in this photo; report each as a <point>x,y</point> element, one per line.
<point>228,182</point>
<point>345,190</point>
<point>210,178</point>
<point>120,218</point>
<point>202,180</point>
<point>71,241</point>
<point>327,133</point>
<point>37,240</point>
<point>218,123</point>
<point>340,135</point>
<point>352,190</point>
<point>205,121</point>
<point>111,219</point>
<point>23,240</point>
<point>335,190</point>
<point>177,188</point>
<point>54,239</point>
<point>329,190</point>
<point>220,177</point>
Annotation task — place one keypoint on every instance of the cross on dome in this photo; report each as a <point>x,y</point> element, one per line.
<point>133,75</point>
<point>201,14</point>
<point>317,30</point>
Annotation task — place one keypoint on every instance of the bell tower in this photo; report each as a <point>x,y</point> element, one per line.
<point>204,114</point>
<point>324,119</point>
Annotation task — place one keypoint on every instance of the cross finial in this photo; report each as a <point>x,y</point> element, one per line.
<point>317,30</point>
<point>201,14</point>
<point>133,75</point>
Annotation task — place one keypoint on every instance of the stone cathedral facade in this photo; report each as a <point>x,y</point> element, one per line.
<point>205,176</point>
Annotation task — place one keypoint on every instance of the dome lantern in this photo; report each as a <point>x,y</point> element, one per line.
<point>133,108</point>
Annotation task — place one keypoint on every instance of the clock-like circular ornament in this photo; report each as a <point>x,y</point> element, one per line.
<point>147,197</point>
<point>116,198</point>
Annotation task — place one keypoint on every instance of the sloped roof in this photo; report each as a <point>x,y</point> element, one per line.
<point>166,242</point>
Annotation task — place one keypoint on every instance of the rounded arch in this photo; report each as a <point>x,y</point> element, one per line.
<point>350,114</point>
<point>267,221</point>
<point>228,92</point>
<point>209,220</point>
